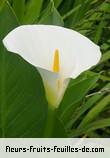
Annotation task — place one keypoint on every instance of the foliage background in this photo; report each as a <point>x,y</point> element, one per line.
<point>85,109</point>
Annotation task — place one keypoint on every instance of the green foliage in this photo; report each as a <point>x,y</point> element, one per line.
<point>18,7</point>
<point>57,3</point>
<point>22,106</point>
<point>50,16</point>
<point>85,109</point>
<point>74,95</point>
<point>32,11</point>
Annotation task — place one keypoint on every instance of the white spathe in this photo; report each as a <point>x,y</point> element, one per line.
<point>37,45</point>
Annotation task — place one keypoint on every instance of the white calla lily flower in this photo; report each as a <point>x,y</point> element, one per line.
<point>58,54</point>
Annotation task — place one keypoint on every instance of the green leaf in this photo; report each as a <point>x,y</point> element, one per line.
<point>92,127</point>
<point>51,16</point>
<point>65,7</point>
<point>59,130</point>
<point>98,124</point>
<point>53,127</point>
<point>74,95</point>
<point>19,6</point>
<point>87,105</point>
<point>57,3</point>
<point>105,46</point>
<point>70,12</point>
<point>23,107</point>
<point>9,23</point>
<point>99,30</point>
<point>1,3</point>
<point>33,11</point>
<point>105,6</point>
<point>78,12</point>
<point>105,57</point>
<point>95,111</point>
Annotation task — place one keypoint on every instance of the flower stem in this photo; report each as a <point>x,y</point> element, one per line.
<point>49,126</point>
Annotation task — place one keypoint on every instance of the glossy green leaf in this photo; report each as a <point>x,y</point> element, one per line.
<point>22,98</point>
<point>51,16</point>
<point>53,126</point>
<point>2,3</point>
<point>59,130</point>
<point>32,12</point>
<point>57,3</point>
<point>105,57</point>
<point>100,124</point>
<point>19,8</point>
<point>74,94</point>
<point>95,111</point>
<point>99,30</point>
<point>88,105</point>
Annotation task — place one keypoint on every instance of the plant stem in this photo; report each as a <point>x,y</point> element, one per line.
<point>49,126</point>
